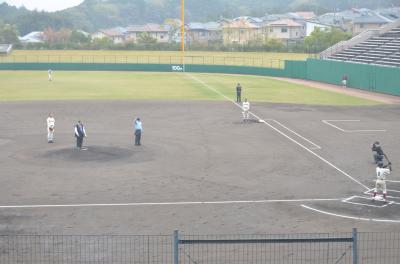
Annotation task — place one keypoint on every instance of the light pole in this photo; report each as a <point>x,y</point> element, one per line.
<point>183,34</point>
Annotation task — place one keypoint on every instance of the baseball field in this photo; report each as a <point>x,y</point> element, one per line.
<point>302,163</point>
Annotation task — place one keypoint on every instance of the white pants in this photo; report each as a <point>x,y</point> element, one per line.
<point>50,135</point>
<point>246,115</point>
<point>50,77</point>
<point>380,186</point>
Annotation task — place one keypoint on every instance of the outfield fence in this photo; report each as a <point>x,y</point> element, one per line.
<point>161,59</point>
<point>351,247</point>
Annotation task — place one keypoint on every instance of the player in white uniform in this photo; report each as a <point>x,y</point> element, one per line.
<point>50,73</point>
<point>246,109</point>
<point>51,122</point>
<point>380,184</point>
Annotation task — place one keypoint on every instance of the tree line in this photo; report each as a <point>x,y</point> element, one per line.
<point>65,38</point>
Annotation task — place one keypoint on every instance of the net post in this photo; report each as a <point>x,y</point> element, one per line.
<point>355,246</point>
<point>176,247</point>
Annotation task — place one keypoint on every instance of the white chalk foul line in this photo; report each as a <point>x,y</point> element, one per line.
<point>168,203</point>
<point>350,217</point>
<point>328,122</point>
<point>283,134</point>
<point>300,136</point>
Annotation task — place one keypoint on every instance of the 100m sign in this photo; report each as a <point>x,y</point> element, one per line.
<point>177,68</point>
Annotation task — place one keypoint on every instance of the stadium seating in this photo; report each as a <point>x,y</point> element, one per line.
<point>382,50</point>
<point>5,49</point>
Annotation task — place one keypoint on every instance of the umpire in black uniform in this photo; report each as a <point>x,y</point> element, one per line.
<point>238,93</point>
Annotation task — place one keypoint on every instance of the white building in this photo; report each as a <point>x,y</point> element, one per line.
<point>312,25</point>
<point>33,37</point>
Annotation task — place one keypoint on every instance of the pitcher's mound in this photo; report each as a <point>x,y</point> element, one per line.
<point>90,153</point>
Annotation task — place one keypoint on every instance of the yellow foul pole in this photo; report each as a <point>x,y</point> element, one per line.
<point>183,33</point>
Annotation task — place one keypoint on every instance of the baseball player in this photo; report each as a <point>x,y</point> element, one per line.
<point>377,152</point>
<point>138,131</point>
<point>246,108</point>
<point>380,185</point>
<point>50,74</point>
<point>51,122</point>
<point>80,133</point>
<point>238,93</point>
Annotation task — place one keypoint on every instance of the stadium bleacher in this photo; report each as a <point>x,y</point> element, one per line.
<point>5,49</point>
<point>383,49</point>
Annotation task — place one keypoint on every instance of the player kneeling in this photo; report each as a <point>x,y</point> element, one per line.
<point>380,185</point>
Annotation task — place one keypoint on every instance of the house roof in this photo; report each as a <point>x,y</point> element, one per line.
<point>284,22</point>
<point>392,13</point>
<point>371,19</point>
<point>5,48</point>
<point>319,23</point>
<point>210,26</point>
<point>147,28</point>
<point>249,19</point>
<point>304,15</point>
<point>242,23</point>
<point>113,32</point>
<point>33,37</point>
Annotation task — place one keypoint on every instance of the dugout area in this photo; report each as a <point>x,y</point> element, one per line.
<point>200,169</point>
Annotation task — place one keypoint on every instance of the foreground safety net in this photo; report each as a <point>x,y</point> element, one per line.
<point>352,247</point>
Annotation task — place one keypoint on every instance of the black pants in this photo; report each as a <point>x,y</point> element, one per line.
<point>138,136</point>
<point>79,141</point>
<point>238,97</point>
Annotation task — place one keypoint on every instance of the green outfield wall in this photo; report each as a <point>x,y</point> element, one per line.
<point>367,77</point>
<point>362,76</point>
<point>228,69</point>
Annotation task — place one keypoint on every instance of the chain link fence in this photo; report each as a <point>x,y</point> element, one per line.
<point>336,248</point>
<point>202,60</point>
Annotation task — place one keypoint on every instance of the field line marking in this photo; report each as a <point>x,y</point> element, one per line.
<point>348,200</point>
<point>328,122</point>
<point>350,217</point>
<point>283,134</point>
<point>300,136</point>
<point>171,203</point>
<point>332,125</point>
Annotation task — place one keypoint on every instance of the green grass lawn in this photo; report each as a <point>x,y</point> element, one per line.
<point>33,85</point>
<point>265,59</point>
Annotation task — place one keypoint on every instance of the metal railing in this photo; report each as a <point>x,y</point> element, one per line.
<point>143,59</point>
<point>240,249</point>
<point>339,248</point>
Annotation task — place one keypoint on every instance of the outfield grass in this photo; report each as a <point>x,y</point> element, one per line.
<point>33,85</point>
<point>265,59</point>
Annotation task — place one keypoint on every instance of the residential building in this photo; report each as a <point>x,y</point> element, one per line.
<point>33,37</point>
<point>155,31</point>
<point>117,34</point>
<point>240,32</point>
<point>312,25</point>
<point>5,49</point>
<point>205,33</point>
<point>304,15</point>
<point>285,29</point>
<point>369,21</point>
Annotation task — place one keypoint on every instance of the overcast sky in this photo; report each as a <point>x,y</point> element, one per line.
<point>47,5</point>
